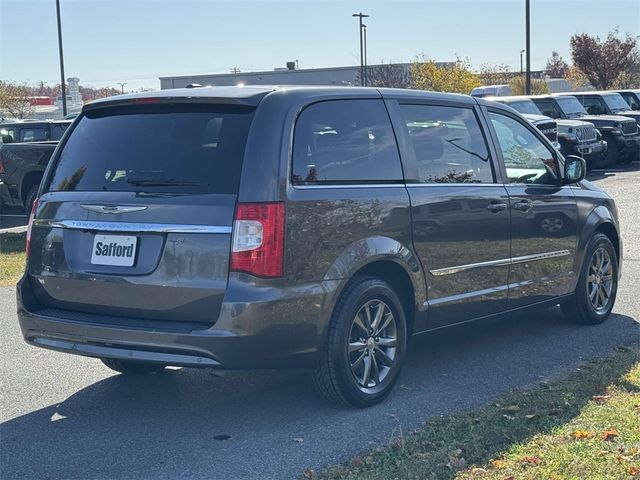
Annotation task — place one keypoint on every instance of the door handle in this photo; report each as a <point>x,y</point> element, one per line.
<point>522,205</point>
<point>496,207</point>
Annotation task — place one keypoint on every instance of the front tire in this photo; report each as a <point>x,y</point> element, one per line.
<point>131,367</point>
<point>597,285</point>
<point>366,345</point>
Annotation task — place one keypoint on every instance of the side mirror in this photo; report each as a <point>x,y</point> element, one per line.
<point>635,106</point>
<point>7,139</point>
<point>575,169</point>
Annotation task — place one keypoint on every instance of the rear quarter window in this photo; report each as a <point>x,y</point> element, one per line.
<point>155,148</point>
<point>345,142</point>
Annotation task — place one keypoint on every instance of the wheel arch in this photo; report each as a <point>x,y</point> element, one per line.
<point>388,260</point>
<point>31,178</point>
<point>600,220</point>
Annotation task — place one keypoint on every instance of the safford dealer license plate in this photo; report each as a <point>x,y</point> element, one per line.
<point>114,250</point>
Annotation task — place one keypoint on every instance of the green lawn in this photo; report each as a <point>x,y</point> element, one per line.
<point>584,426</point>
<point>12,258</point>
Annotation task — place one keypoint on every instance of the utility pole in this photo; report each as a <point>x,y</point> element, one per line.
<point>366,70</point>
<point>528,45</point>
<point>521,67</point>
<point>62,84</point>
<point>361,16</point>
<point>122,84</point>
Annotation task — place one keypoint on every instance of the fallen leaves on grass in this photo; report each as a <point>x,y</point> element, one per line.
<point>532,460</point>
<point>610,434</point>
<point>307,474</point>
<point>582,435</point>
<point>633,471</point>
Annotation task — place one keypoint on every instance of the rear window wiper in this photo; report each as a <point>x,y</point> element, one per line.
<point>161,182</point>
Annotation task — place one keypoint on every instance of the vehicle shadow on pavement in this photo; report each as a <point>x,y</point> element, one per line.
<point>270,424</point>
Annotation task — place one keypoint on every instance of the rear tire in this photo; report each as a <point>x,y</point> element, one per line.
<point>131,367</point>
<point>31,196</point>
<point>365,347</point>
<point>597,285</point>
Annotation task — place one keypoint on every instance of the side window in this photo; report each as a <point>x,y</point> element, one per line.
<point>33,134</point>
<point>9,132</point>
<point>345,141</point>
<point>593,105</point>
<point>548,108</point>
<point>448,144</point>
<point>631,100</point>
<point>57,130</point>
<point>527,159</point>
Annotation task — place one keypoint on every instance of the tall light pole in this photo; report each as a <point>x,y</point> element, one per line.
<point>122,84</point>
<point>528,45</point>
<point>521,67</point>
<point>62,84</point>
<point>366,70</point>
<point>361,16</point>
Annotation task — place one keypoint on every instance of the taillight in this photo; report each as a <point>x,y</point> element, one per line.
<point>31,217</point>
<point>258,239</point>
<point>1,166</point>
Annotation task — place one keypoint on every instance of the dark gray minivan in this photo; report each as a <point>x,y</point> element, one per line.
<point>304,227</point>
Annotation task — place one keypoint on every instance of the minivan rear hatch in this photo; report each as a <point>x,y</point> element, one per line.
<point>135,222</point>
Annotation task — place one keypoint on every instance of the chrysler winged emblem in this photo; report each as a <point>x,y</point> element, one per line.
<point>113,208</point>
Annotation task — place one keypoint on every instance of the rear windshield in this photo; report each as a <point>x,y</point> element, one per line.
<point>155,148</point>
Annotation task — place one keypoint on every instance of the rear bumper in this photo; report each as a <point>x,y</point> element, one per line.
<point>257,328</point>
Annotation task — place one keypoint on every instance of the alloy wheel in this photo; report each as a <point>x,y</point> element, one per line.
<point>600,280</point>
<point>373,341</point>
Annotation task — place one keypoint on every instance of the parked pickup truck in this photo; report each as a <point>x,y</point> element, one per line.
<point>21,168</point>
<point>33,131</point>
<point>575,136</point>
<point>620,133</point>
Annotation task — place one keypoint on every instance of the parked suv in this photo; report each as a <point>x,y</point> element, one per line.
<point>606,103</point>
<point>574,136</point>
<point>294,227</point>
<point>620,133</point>
<point>632,97</point>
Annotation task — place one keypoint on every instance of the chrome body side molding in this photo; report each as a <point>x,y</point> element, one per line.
<point>499,263</point>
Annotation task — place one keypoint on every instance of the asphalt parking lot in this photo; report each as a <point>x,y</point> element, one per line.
<point>70,417</point>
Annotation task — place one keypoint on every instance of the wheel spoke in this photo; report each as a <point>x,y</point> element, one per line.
<point>357,346</point>
<point>367,370</point>
<point>387,320</point>
<point>378,317</point>
<point>355,365</point>
<point>367,317</point>
<point>387,342</point>
<point>375,370</point>
<point>383,357</point>
<point>593,292</point>
<point>360,324</point>
<point>601,297</point>
<point>591,278</point>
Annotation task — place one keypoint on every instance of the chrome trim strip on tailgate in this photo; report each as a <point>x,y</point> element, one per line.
<point>499,263</point>
<point>132,227</point>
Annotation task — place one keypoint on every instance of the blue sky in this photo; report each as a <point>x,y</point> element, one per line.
<point>136,41</point>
